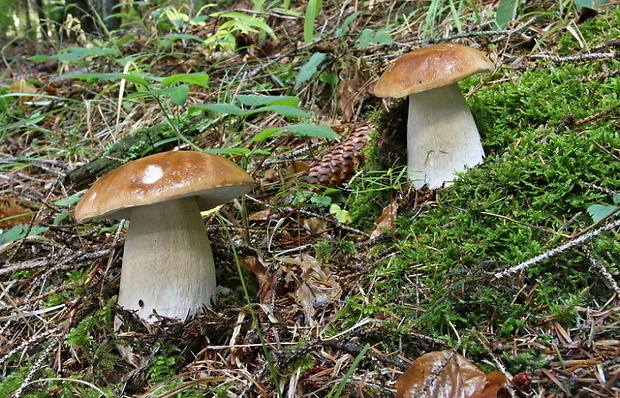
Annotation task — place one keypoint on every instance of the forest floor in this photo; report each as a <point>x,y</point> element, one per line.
<point>339,274</point>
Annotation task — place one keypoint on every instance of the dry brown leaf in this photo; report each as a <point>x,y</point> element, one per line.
<point>10,212</point>
<point>348,98</point>
<point>315,225</point>
<point>21,86</point>
<point>265,279</point>
<point>444,374</point>
<point>352,88</point>
<point>318,285</point>
<point>261,215</point>
<point>297,167</point>
<point>386,223</point>
<point>494,386</point>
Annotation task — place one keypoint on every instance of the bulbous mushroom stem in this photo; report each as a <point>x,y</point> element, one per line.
<point>442,137</point>
<point>167,263</point>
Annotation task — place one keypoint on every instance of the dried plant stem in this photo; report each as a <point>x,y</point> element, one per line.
<point>577,57</point>
<point>36,366</point>
<point>29,343</point>
<point>602,269</point>
<point>64,259</point>
<point>553,252</point>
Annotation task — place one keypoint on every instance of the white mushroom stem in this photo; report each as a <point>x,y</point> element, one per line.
<point>167,264</point>
<point>442,137</point>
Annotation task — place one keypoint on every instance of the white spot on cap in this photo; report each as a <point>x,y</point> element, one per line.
<point>152,174</point>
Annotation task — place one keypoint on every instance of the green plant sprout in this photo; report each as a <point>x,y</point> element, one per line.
<point>286,106</point>
<point>309,69</point>
<point>603,212</point>
<point>238,22</point>
<point>313,8</point>
<point>369,36</point>
<point>337,390</point>
<point>19,232</point>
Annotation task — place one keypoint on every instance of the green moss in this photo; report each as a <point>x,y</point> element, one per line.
<point>549,134</point>
<point>595,31</point>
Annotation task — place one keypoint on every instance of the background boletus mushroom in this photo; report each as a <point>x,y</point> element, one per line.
<point>167,263</point>
<point>442,137</point>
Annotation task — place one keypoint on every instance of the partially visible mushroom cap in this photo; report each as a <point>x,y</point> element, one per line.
<point>165,176</point>
<point>431,67</point>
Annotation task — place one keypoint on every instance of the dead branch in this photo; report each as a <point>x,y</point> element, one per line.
<point>554,252</point>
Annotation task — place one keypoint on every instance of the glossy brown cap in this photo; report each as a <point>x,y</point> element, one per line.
<point>165,176</point>
<point>431,67</point>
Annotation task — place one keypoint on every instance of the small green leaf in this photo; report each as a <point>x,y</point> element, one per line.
<point>368,36</point>
<point>304,129</point>
<point>345,25</point>
<point>599,212</point>
<point>181,36</point>
<point>313,8</point>
<point>178,94</point>
<point>32,120</point>
<point>310,68</point>
<point>321,200</point>
<point>330,78</point>
<point>506,11</point>
<point>200,79</point>
<point>244,23</point>
<point>282,110</point>
<point>285,110</point>
<point>590,3</point>
<point>342,215</point>
<point>312,130</point>
<point>229,151</point>
<point>72,54</point>
<point>200,18</point>
<point>21,231</point>
<point>68,201</point>
<point>266,133</point>
<point>113,76</point>
<point>61,217</point>
<point>260,100</point>
<point>228,109</point>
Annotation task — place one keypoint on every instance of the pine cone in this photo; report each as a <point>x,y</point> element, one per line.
<point>339,163</point>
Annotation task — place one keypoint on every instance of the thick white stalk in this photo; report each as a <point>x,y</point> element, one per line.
<point>442,137</point>
<point>167,263</point>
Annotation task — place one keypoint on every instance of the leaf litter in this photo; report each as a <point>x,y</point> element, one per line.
<point>60,278</point>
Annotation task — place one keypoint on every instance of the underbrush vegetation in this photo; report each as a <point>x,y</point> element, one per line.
<point>335,272</point>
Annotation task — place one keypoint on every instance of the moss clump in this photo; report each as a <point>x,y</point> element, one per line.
<point>594,31</point>
<point>550,135</point>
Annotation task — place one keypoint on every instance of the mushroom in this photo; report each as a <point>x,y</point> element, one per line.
<point>168,266</point>
<point>442,138</point>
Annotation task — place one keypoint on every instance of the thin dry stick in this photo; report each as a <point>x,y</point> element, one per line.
<point>56,261</point>
<point>560,249</point>
<point>577,57</point>
<point>431,379</point>
<point>550,231</point>
<point>38,364</point>
<point>602,269</point>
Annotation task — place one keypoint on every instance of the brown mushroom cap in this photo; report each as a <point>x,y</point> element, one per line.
<point>165,176</point>
<point>431,67</point>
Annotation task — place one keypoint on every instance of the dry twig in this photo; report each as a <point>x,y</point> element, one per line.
<point>554,252</point>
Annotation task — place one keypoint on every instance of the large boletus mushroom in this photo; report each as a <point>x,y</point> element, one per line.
<point>442,137</point>
<point>167,263</point>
